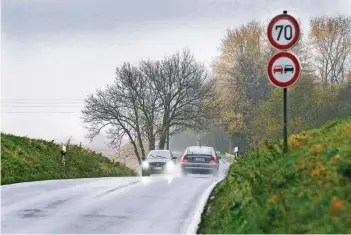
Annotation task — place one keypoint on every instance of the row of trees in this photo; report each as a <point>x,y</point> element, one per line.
<point>150,101</point>
<point>156,99</point>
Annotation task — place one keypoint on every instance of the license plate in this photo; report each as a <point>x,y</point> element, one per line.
<point>200,159</point>
<point>157,168</point>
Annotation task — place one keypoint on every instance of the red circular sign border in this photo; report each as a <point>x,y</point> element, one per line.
<point>296,76</point>
<point>297,31</point>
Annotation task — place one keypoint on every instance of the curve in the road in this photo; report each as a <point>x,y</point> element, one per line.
<point>125,205</point>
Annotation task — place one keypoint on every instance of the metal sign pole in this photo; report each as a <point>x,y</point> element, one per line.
<point>285,90</point>
<point>285,131</point>
<point>283,33</point>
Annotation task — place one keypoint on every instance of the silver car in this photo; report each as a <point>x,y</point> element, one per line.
<point>158,161</point>
<point>199,160</point>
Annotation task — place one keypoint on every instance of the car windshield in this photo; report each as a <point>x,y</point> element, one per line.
<point>155,154</point>
<point>200,150</point>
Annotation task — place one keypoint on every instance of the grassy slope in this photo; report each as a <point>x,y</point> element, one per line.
<point>24,159</point>
<point>307,190</point>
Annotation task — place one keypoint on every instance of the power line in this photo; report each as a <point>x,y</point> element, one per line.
<point>44,103</point>
<point>42,106</point>
<point>37,112</point>
<point>42,99</point>
<point>2,100</point>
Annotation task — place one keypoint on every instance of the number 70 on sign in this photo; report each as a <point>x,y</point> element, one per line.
<point>288,32</point>
<point>283,32</point>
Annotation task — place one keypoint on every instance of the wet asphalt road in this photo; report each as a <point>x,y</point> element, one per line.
<point>156,204</point>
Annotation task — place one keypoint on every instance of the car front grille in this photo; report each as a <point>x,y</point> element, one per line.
<point>157,163</point>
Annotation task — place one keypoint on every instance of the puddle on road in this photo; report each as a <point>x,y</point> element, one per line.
<point>106,216</point>
<point>147,179</point>
<point>31,213</point>
<point>56,203</point>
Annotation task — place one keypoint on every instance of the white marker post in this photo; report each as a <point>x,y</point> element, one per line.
<point>236,151</point>
<point>284,68</point>
<point>63,153</point>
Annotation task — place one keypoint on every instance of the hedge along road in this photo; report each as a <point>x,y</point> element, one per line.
<point>156,204</point>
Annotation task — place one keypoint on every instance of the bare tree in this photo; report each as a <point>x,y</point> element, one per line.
<point>152,100</point>
<point>117,109</point>
<point>181,85</point>
<point>331,40</point>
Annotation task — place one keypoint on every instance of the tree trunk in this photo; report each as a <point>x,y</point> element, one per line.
<point>139,138</point>
<point>152,140</point>
<point>135,147</point>
<point>165,123</point>
<point>141,146</point>
<point>137,153</point>
<point>168,138</point>
<point>151,134</point>
<point>161,144</point>
<point>163,136</point>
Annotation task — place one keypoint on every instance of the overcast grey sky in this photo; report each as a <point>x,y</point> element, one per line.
<point>66,49</point>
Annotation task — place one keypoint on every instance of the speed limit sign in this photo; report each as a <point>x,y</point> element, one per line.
<point>283,32</point>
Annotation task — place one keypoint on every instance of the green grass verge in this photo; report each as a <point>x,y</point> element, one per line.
<point>307,190</point>
<point>24,159</point>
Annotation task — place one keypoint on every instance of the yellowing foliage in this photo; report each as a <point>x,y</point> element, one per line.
<point>296,192</point>
<point>318,169</point>
<point>273,200</point>
<point>238,71</point>
<point>320,28</point>
<point>336,204</point>
<point>301,164</point>
<point>317,148</point>
<point>232,121</point>
<point>347,130</point>
<point>334,161</point>
<point>298,140</point>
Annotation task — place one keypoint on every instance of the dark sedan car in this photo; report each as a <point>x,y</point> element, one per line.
<point>200,160</point>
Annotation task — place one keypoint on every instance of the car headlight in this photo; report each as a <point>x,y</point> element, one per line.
<point>170,165</point>
<point>145,165</point>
